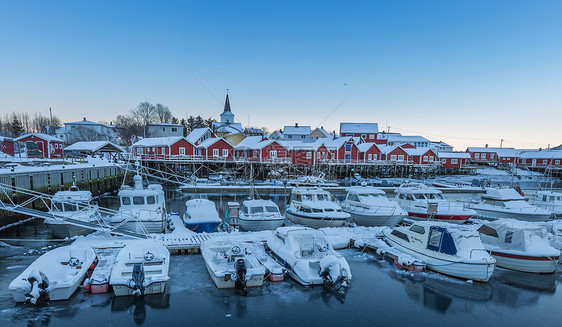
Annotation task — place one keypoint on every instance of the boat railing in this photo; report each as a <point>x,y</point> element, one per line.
<point>363,208</point>
<point>478,250</point>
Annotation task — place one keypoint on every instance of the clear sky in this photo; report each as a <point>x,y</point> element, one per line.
<point>469,72</point>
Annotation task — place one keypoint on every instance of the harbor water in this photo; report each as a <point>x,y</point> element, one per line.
<point>380,294</point>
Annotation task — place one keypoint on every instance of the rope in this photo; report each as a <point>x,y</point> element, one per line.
<point>16,223</point>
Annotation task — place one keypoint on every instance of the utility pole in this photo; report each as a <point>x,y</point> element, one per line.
<point>501,143</point>
<point>51,114</point>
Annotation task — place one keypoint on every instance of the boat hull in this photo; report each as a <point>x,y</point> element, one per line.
<point>453,219</point>
<point>492,214</point>
<point>375,220</point>
<point>154,288</point>
<point>316,222</point>
<point>225,281</point>
<point>473,271</point>
<point>208,227</point>
<point>151,226</point>
<point>253,225</point>
<point>62,230</point>
<point>525,263</point>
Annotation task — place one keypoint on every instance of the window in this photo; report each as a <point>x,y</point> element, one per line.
<point>477,155</point>
<point>225,152</point>
<point>393,157</point>
<point>308,154</point>
<point>545,162</point>
<point>150,199</point>
<point>348,148</point>
<point>174,129</point>
<point>290,136</point>
<point>444,161</point>
<point>126,201</point>
<point>401,157</point>
<point>424,158</point>
<point>154,150</point>
<point>417,229</point>
<point>524,161</point>
<point>374,157</point>
<point>508,237</point>
<point>182,151</point>
<point>363,136</point>
<point>483,156</point>
<point>371,136</point>
<point>435,238</point>
<point>273,154</point>
<point>255,153</point>
<point>431,158</point>
<point>163,150</point>
<point>370,157</point>
<point>138,200</point>
<point>215,152</point>
<point>348,134</point>
<point>557,162</point>
<point>303,136</point>
<point>454,161</point>
<point>163,129</point>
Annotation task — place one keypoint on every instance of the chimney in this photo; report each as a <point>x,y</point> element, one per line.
<point>296,124</point>
<point>84,119</point>
<point>486,145</point>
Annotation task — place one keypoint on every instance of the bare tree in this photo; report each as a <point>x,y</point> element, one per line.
<point>145,112</point>
<point>84,134</point>
<point>163,113</point>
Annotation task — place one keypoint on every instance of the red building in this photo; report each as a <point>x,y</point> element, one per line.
<point>540,159</point>
<point>369,152</point>
<point>422,156</point>
<point>198,135</point>
<point>395,154</point>
<point>258,148</point>
<point>42,145</point>
<point>454,159</point>
<point>367,132</point>
<point>7,145</point>
<point>215,148</point>
<point>163,148</point>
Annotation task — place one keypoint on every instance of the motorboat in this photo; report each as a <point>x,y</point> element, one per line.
<point>422,202</point>
<point>449,249</point>
<point>309,257</point>
<point>74,204</point>
<point>549,200</point>
<point>312,207</point>
<point>53,276</point>
<point>142,210</point>
<point>256,215</point>
<point>140,268</point>
<point>201,216</point>
<point>232,264</point>
<point>520,246</point>
<point>312,181</point>
<point>508,203</point>
<point>369,206</point>
<point>99,280</point>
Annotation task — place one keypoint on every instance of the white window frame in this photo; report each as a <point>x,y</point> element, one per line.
<point>163,149</point>
<point>431,158</point>
<point>225,152</point>
<point>215,152</point>
<point>375,156</point>
<point>477,156</point>
<point>545,161</point>
<point>371,136</point>
<point>444,160</point>
<point>363,136</point>
<point>400,157</point>
<point>424,158</point>
<point>557,162</point>
<point>393,157</point>
<point>308,154</point>
<point>182,151</point>
<point>454,161</point>
<point>370,157</point>
<point>273,153</point>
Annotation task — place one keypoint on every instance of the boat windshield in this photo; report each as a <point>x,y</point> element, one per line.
<point>307,197</point>
<point>256,210</point>
<point>419,196</point>
<point>431,196</point>
<point>271,209</point>
<point>322,197</point>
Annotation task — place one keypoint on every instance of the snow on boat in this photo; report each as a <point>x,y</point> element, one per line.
<point>232,264</point>
<point>549,200</point>
<point>422,202</point>
<point>99,281</point>
<point>369,206</point>
<point>140,268</point>
<point>142,210</point>
<point>311,207</point>
<point>445,248</point>
<point>53,276</point>
<point>309,257</point>
<point>311,181</point>
<point>508,203</point>
<point>520,246</point>
<point>73,204</point>
<point>201,216</point>
<point>256,215</point>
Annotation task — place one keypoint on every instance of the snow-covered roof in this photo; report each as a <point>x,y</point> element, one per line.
<point>253,143</point>
<point>364,147</point>
<point>280,134</point>
<point>157,141</point>
<point>208,142</point>
<point>362,128</point>
<point>407,138</point>
<point>300,145</point>
<point>544,154</point>
<point>322,131</point>
<point>485,149</point>
<point>417,151</point>
<point>165,124</point>
<point>386,149</point>
<point>39,135</point>
<point>219,127</point>
<point>84,122</point>
<point>196,134</point>
<point>296,130</point>
<point>454,155</point>
<point>94,146</point>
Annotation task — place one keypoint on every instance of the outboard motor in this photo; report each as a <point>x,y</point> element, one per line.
<point>240,266</point>
<point>334,274</point>
<point>38,291</point>
<point>137,279</point>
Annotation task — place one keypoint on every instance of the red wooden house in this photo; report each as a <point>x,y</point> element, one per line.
<point>422,156</point>
<point>261,149</point>
<point>454,159</point>
<point>42,145</point>
<point>369,152</point>
<point>394,154</point>
<point>199,135</point>
<point>544,158</point>
<point>215,148</point>
<point>163,148</point>
<point>7,145</point>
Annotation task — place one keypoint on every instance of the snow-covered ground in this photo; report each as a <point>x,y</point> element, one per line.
<point>46,164</point>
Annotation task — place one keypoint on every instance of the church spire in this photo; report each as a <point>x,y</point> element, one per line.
<point>227,103</point>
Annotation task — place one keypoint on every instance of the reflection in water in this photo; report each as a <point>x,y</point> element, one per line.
<point>137,304</point>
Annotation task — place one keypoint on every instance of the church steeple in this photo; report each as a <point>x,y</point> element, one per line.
<point>227,116</point>
<point>227,104</point>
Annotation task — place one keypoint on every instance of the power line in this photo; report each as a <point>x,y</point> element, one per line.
<point>366,78</point>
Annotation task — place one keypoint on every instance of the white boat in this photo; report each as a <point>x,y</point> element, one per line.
<point>73,204</point>
<point>519,246</point>
<point>53,276</point>
<point>142,210</point>
<point>549,200</point>
<point>99,280</point>
<point>422,202</point>
<point>140,268</point>
<point>449,249</point>
<point>369,206</point>
<point>312,207</point>
<point>309,257</point>
<point>232,264</point>
<point>508,203</point>
<point>256,215</point>
<point>311,181</point>
<point>201,216</point>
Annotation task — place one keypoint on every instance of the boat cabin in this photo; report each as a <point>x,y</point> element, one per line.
<point>300,194</point>
<point>139,198</point>
<point>433,237</point>
<point>548,197</point>
<point>259,208</point>
<point>364,194</point>
<point>304,242</point>
<point>71,200</point>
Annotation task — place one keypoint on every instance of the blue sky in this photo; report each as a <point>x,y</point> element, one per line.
<point>469,73</point>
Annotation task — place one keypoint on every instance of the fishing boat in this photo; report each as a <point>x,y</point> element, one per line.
<point>369,206</point>
<point>73,204</point>
<point>508,203</point>
<point>140,268</point>
<point>232,264</point>
<point>309,257</point>
<point>143,209</point>
<point>256,215</point>
<point>449,249</point>
<point>422,202</point>
<point>201,216</point>
<point>520,246</point>
<point>312,207</point>
<point>549,200</point>
<point>53,276</point>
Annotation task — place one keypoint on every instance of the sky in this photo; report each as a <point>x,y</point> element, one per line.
<point>468,73</point>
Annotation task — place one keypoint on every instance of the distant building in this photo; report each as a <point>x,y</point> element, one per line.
<point>253,132</point>
<point>227,124</point>
<point>41,145</point>
<point>7,145</point>
<point>234,138</point>
<point>366,131</point>
<point>441,147</point>
<point>277,136</point>
<point>296,133</point>
<point>400,140</point>
<point>453,159</point>
<point>86,130</point>
<point>164,130</point>
<point>320,132</point>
